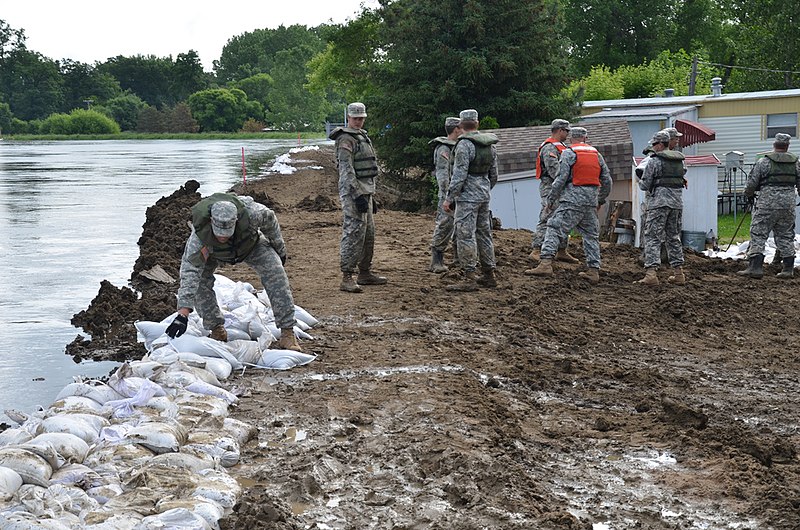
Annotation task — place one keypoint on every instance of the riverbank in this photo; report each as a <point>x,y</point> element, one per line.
<point>539,404</point>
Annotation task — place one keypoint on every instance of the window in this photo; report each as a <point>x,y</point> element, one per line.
<point>781,123</point>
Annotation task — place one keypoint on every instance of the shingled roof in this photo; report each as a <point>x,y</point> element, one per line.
<point>516,151</point>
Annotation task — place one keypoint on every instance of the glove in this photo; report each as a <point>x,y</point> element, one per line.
<point>362,204</point>
<point>178,326</point>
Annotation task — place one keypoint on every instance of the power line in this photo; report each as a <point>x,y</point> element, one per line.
<point>750,68</point>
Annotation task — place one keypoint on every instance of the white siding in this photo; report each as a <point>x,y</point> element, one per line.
<point>516,203</point>
<point>736,133</point>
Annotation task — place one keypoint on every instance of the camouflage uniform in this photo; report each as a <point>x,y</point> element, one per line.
<point>443,233</point>
<point>774,210</point>
<point>199,263</point>
<point>473,220</point>
<point>358,229</point>
<point>664,212</point>
<point>550,156</point>
<point>577,208</point>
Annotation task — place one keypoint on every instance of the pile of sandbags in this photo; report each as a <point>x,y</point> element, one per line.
<point>149,448</point>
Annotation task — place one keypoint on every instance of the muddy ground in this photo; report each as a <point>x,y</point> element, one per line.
<point>543,403</point>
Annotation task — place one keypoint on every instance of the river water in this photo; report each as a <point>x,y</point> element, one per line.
<point>70,216</point>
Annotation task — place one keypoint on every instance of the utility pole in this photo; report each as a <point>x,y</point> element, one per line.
<point>693,76</point>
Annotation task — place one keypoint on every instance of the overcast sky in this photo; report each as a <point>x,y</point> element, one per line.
<point>91,30</point>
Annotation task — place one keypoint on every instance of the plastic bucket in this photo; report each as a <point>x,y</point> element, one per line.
<point>694,240</point>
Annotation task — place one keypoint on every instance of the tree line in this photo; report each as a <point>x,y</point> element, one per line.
<point>413,63</point>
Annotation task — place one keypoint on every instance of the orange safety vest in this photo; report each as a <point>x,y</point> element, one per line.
<point>559,145</point>
<point>586,169</point>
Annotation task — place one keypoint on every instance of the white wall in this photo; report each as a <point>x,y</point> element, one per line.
<point>736,133</point>
<point>516,202</point>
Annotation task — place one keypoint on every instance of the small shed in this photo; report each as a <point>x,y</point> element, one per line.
<point>515,199</point>
<point>699,198</point>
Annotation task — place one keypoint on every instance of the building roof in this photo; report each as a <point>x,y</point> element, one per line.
<point>639,113</point>
<point>518,146</point>
<point>690,100</point>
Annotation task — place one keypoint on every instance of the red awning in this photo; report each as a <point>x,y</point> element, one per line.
<point>694,133</point>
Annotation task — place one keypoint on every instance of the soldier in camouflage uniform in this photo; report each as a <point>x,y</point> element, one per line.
<point>663,179</point>
<point>775,177</point>
<point>473,177</point>
<point>582,186</point>
<point>358,170</point>
<point>443,233</point>
<point>228,228</point>
<point>547,158</point>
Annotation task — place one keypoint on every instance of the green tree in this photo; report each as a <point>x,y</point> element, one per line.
<point>125,110</point>
<point>291,106</point>
<point>149,77</point>
<point>187,76</point>
<point>84,82</point>
<point>219,109</point>
<point>257,87</point>
<point>151,120</point>
<point>5,117</point>
<point>180,119</point>
<point>34,88</point>
<point>82,121</point>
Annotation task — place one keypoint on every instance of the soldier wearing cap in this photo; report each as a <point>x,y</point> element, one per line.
<point>775,177</point>
<point>443,232</point>
<point>547,158</point>
<point>674,137</point>
<point>582,186</point>
<point>228,228</point>
<point>663,181</point>
<point>473,176</point>
<point>358,171</point>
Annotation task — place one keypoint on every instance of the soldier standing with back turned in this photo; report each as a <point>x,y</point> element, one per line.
<point>442,154</point>
<point>358,170</point>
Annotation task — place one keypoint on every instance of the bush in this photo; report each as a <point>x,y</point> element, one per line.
<point>84,121</point>
<point>489,122</point>
<point>252,125</point>
<point>58,123</point>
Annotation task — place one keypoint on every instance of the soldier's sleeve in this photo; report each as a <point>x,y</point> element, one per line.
<point>564,170</point>
<point>797,175</point>
<point>753,182</point>
<point>441,159</point>
<point>267,223</point>
<point>606,182</point>
<point>344,161</point>
<point>493,169</point>
<point>460,170</point>
<point>551,160</point>
<point>651,172</point>
<point>191,269</point>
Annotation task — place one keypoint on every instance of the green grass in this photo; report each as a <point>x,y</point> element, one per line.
<point>274,135</point>
<point>726,227</point>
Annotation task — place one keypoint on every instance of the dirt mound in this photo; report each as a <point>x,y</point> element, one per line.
<point>320,203</point>
<point>545,403</point>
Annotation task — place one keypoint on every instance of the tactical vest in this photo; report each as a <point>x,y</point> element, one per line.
<point>365,163</point>
<point>541,167</point>
<point>673,170</point>
<point>443,140</point>
<point>480,165</point>
<point>586,169</point>
<point>238,247</point>
<point>782,169</point>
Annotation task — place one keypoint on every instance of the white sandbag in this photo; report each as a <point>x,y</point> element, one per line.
<point>29,521</point>
<point>299,333</point>
<point>192,359</point>
<point>205,404</point>
<point>14,436</point>
<point>31,467</point>
<point>84,426</point>
<point>147,332</point>
<point>219,487</point>
<point>108,459</point>
<point>17,416</point>
<point>180,462</point>
<point>247,352</point>
<point>102,520</point>
<point>208,510</point>
<point>177,519</point>
<point>242,432</point>
<point>10,482</point>
<point>70,448</point>
<point>129,385</point>
<point>165,355</point>
<point>237,334</point>
<point>201,387</point>
<point>224,449</point>
<point>283,359</point>
<point>99,392</point>
<point>45,451</point>
<point>56,501</point>
<point>147,369</point>
<point>219,367</point>
<point>106,492</point>
<point>301,315</point>
<point>77,404</point>
<point>77,475</point>
<point>206,347</point>
<point>159,437</point>
<point>204,375</point>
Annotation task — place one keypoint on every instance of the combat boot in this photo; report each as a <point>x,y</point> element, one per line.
<point>365,277</point>
<point>592,275</point>
<point>756,267</point>
<point>488,279</point>
<point>563,255</point>
<point>545,268</point>
<point>777,261</point>
<point>437,261</point>
<point>650,277</point>
<point>349,284</point>
<point>535,253</point>
<point>288,341</point>
<point>468,283</point>
<point>677,277</point>
<point>219,333</point>
<point>788,268</point>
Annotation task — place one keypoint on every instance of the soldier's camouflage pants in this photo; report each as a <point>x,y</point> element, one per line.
<point>545,185</point>
<point>780,222</point>
<point>567,217</point>
<point>445,225</point>
<point>358,241</point>
<point>663,224</point>
<point>473,229</point>
<point>267,264</point>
